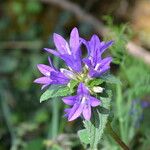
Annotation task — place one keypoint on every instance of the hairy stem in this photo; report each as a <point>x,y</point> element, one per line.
<point>116,137</point>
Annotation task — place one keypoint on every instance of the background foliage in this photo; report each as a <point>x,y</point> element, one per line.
<point>26,27</point>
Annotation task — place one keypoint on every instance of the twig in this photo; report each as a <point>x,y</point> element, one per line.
<point>81,15</point>
<point>138,52</point>
<point>132,48</point>
<point>21,44</point>
<point>116,137</point>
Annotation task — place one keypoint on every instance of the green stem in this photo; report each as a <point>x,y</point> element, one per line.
<point>55,109</point>
<point>55,117</point>
<point>120,113</point>
<point>127,121</point>
<point>54,124</point>
<point>116,137</point>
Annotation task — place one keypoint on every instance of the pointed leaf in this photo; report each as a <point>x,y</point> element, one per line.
<point>95,127</point>
<point>96,82</point>
<point>83,135</point>
<point>109,78</point>
<point>55,91</point>
<point>72,85</point>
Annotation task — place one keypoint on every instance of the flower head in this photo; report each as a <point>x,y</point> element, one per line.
<point>80,69</point>
<point>81,103</point>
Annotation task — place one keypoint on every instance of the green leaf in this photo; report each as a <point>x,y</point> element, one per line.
<point>95,127</point>
<point>72,85</point>
<point>36,143</point>
<point>95,82</point>
<point>55,91</point>
<point>109,78</point>
<point>83,135</point>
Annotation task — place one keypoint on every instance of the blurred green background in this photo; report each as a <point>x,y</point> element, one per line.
<point>26,27</point>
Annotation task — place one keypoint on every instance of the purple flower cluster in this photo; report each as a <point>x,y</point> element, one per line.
<point>136,111</point>
<point>80,69</point>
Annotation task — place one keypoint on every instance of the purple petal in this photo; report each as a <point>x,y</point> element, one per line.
<point>68,59</point>
<point>75,45</point>
<point>86,43</point>
<point>94,101</point>
<point>98,73</point>
<point>67,111</point>
<point>52,52</point>
<point>69,74</point>
<point>101,67</point>
<point>94,43</point>
<point>87,61</point>
<point>44,69</point>
<point>43,80</point>
<point>69,100</point>
<point>72,62</point>
<point>51,64</point>
<point>82,90</point>
<point>105,65</point>
<point>77,55</point>
<point>59,78</point>
<point>61,44</point>
<point>87,112</point>
<point>104,62</point>
<point>75,111</point>
<point>44,86</point>
<point>104,70</point>
<point>105,46</point>
<point>74,39</point>
<point>145,104</point>
<point>93,73</point>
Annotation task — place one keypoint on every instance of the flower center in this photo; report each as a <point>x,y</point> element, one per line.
<point>83,76</point>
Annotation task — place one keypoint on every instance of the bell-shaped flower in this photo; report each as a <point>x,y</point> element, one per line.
<point>94,61</point>
<point>81,103</point>
<point>69,52</point>
<point>51,75</point>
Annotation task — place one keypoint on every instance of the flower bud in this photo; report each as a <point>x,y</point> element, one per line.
<point>97,89</point>
<point>68,73</point>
